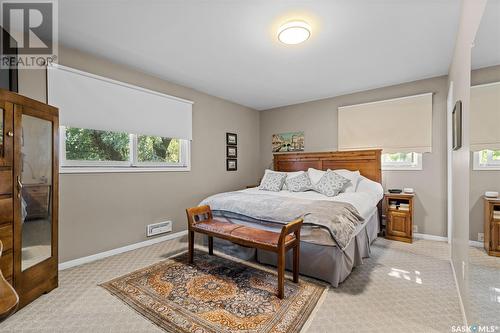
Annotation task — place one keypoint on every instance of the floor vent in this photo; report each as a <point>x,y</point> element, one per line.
<point>158,228</point>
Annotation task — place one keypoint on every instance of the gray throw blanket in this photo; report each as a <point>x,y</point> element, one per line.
<point>339,218</point>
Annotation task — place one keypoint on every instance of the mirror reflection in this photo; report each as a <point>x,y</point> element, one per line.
<point>484,229</point>
<point>36,185</point>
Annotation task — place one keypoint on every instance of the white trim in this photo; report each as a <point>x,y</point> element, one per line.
<point>461,303</point>
<point>386,100</point>
<point>449,159</point>
<point>476,243</point>
<point>105,254</point>
<point>444,239</point>
<point>71,170</point>
<point>430,237</point>
<point>123,84</point>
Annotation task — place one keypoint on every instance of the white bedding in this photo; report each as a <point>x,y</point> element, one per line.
<point>365,199</point>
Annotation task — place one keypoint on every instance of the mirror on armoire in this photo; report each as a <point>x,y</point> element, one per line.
<point>484,227</point>
<point>36,182</point>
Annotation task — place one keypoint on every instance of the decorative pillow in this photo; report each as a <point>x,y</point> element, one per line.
<point>272,181</point>
<point>291,175</point>
<point>331,184</point>
<point>299,183</point>
<point>353,176</point>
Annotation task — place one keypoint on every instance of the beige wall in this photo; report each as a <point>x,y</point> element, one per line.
<point>99,212</point>
<point>481,181</point>
<point>318,119</point>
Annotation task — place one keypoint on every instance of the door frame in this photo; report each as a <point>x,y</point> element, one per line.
<point>43,276</point>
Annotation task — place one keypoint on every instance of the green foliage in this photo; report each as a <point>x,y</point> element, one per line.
<point>399,157</point>
<point>495,156</point>
<point>93,145</point>
<point>157,149</point>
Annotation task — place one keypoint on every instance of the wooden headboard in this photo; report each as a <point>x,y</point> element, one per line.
<point>366,161</point>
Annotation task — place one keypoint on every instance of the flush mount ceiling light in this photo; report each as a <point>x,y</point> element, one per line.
<point>294,32</point>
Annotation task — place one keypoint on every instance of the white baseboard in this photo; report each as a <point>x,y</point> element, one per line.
<point>430,237</point>
<point>461,303</point>
<point>444,239</point>
<point>105,254</point>
<point>476,243</point>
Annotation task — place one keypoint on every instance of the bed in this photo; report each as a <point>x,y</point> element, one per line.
<point>323,256</point>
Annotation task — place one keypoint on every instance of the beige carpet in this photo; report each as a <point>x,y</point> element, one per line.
<point>401,288</point>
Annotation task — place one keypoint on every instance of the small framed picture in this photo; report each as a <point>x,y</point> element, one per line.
<point>231,139</point>
<point>457,125</point>
<point>231,151</point>
<point>231,164</point>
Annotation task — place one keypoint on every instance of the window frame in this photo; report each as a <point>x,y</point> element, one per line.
<point>398,166</point>
<point>489,166</point>
<point>132,165</point>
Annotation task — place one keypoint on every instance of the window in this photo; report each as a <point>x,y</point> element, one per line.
<point>89,150</point>
<point>402,161</point>
<point>487,160</point>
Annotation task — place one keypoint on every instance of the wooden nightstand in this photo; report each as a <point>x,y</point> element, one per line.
<point>492,226</point>
<point>399,217</point>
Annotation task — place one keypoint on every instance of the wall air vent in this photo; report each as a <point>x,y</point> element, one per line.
<point>158,228</point>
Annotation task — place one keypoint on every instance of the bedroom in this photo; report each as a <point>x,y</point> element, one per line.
<point>178,101</point>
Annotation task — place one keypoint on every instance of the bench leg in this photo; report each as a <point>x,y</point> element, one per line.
<point>190,246</point>
<point>281,273</point>
<point>210,245</point>
<point>296,252</point>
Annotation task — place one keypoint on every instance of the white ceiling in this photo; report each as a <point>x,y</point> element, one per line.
<point>229,48</point>
<point>486,51</point>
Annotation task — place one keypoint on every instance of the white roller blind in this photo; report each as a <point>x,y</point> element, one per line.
<point>90,101</point>
<point>400,125</point>
<point>485,117</point>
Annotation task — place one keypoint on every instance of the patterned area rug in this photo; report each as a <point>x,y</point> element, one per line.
<point>215,295</point>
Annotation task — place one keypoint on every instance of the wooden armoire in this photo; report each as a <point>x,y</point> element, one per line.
<point>29,170</point>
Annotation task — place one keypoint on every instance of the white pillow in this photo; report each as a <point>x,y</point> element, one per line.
<point>291,175</point>
<point>315,175</point>
<point>353,176</point>
<point>368,185</point>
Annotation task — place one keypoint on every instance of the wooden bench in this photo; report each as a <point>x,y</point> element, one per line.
<point>200,220</point>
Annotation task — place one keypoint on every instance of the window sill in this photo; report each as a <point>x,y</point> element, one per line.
<point>487,168</point>
<point>69,170</point>
<point>392,168</point>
